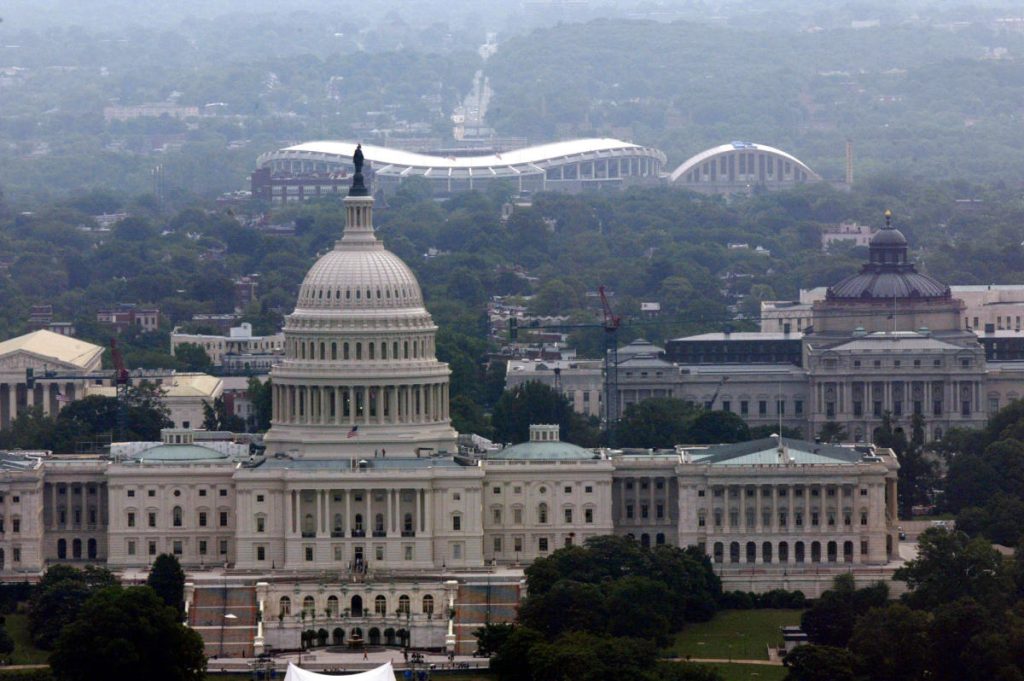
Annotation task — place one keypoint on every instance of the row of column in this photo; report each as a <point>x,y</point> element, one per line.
<point>637,496</point>
<point>791,507</point>
<point>842,396</point>
<point>70,505</point>
<point>359,405</point>
<point>324,510</point>
<point>50,395</point>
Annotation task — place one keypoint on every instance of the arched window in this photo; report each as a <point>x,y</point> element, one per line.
<point>334,350</point>
<point>378,523</point>
<point>403,604</point>
<point>406,351</point>
<point>359,350</point>
<point>428,605</point>
<point>62,548</point>
<point>302,350</point>
<point>383,350</point>
<point>323,350</point>
<point>380,605</point>
<point>542,514</point>
<point>394,349</point>
<point>344,350</point>
<point>370,349</point>
<point>407,523</point>
<point>359,522</point>
<point>91,549</point>
<point>285,606</point>
<point>339,527</point>
<point>357,607</point>
<point>332,606</point>
<point>176,513</point>
<point>308,606</point>
<point>719,552</point>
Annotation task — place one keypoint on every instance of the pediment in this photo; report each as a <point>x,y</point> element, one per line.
<point>19,360</point>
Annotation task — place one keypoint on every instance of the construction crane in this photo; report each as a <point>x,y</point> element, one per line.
<point>610,325</point>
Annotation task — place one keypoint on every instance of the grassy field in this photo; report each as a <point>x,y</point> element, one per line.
<point>24,652</point>
<point>734,635</point>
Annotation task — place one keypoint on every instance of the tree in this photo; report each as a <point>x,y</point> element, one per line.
<point>58,598</point>
<point>832,431</point>
<point>819,663</point>
<point>167,579</point>
<point>713,427</point>
<point>831,619</point>
<point>491,637</point>
<point>193,357</point>
<point>218,417</point>
<point>567,606</point>
<point>512,661</point>
<point>917,473</point>
<point>6,642</point>
<point>128,634</point>
<point>529,404</point>
<point>950,565</point>
<point>658,422</point>
<point>261,396</point>
<point>902,654</point>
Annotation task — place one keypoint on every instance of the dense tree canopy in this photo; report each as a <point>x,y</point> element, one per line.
<point>127,634</point>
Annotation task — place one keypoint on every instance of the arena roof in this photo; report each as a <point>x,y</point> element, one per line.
<point>688,164</point>
<point>398,161</point>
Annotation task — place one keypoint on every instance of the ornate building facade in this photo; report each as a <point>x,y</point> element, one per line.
<point>362,522</point>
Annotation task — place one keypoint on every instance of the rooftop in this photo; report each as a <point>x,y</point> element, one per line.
<point>766,451</point>
<point>48,344</point>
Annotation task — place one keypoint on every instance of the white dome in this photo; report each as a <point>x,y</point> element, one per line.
<point>359,279</point>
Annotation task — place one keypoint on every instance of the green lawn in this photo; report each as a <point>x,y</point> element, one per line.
<point>734,634</point>
<point>24,651</point>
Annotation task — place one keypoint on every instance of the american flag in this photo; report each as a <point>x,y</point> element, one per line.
<point>62,399</point>
<point>353,432</point>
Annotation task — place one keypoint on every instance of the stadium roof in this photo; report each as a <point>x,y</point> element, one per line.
<point>386,159</point>
<point>688,164</point>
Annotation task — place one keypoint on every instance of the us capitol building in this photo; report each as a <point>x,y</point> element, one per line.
<point>361,523</point>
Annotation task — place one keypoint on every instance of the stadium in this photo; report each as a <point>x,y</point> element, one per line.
<point>315,169</point>
<point>740,167</point>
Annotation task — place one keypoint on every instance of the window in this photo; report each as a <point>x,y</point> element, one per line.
<point>131,493</point>
<point>202,519</point>
<point>588,489</point>
<point>202,547</point>
<point>542,544</point>
<point>568,489</point>
<point>202,492</point>
<point>863,517</point>
<point>408,551</point>
<point>428,605</point>
<point>497,516</point>
<point>131,547</point>
<point>588,515</point>
<point>259,498</point>
<point>152,548</point>
<point>378,552</point>
<point>762,408</point>
<point>309,554</point>
<point>223,518</point>
<point>151,493</point>
<point>457,551</point>
<point>16,551</point>
<point>542,514</point>
<point>152,519</point>
<point>496,490</point>
<point>131,519</point>
<point>744,408</point>
<point>517,544</point>
<point>568,515</point>
<point>517,516</point>
<point>261,524</point>
<point>176,547</point>
<point>456,523</point>
<point>176,516</point>
<point>798,407</point>
<point>222,492</point>
<point>223,548</point>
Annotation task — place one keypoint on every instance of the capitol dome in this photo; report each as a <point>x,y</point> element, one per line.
<point>359,274</point>
<point>360,376</point>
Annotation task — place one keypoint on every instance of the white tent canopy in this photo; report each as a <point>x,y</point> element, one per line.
<point>382,673</point>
